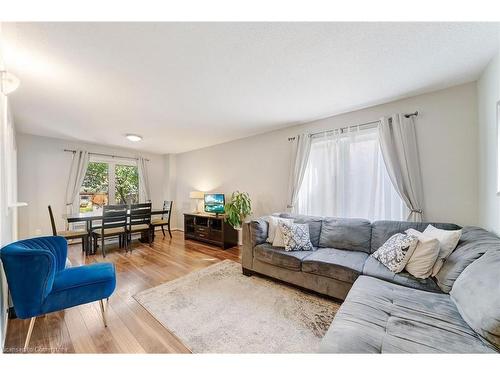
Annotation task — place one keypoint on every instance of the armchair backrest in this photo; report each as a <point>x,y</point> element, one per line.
<point>30,266</point>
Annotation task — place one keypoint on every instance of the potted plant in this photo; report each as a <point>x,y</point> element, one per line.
<point>236,210</point>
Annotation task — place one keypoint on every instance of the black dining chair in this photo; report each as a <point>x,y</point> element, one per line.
<point>165,218</point>
<point>69,234</point>
<point>140,220</point>
<point>113,224</point>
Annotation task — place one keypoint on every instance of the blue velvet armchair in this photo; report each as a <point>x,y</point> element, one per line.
<point>39,283</point>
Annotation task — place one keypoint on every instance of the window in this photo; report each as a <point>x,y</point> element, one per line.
<point>108,181</point>
<point>126,184</point>
<point>346,177</point>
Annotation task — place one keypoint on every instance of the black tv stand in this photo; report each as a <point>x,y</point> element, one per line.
<point>209,228</point>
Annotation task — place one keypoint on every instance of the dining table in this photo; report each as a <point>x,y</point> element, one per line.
<point>89,217</point>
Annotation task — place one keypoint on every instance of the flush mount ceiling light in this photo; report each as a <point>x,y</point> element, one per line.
<point>134,137</point>
<point>8,82</point>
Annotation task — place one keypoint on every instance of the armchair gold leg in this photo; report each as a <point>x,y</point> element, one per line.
<point>30,331</point>
<point>101,303</point>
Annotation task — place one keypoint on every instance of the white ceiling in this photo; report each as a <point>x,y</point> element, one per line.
<point>184,86</point>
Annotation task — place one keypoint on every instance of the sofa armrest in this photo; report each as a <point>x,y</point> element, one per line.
<point>254,233</point>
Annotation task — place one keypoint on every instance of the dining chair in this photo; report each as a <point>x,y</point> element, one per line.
<point>140,220</point>
<point>40,284</point>
<point>165,218</point>
<point>113,224</point>
<point>69,234</point>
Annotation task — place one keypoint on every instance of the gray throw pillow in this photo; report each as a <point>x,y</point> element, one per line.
<point>476,292</point>
<point>396,251</point>
<point>296,236</point>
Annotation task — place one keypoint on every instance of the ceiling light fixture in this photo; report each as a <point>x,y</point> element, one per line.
<point>8,82</point>
<point>134,137</point>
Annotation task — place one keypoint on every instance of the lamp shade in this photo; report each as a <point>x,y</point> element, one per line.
<point>196,195</point>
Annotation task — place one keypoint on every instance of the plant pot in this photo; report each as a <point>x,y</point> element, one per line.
<point>240,236</point>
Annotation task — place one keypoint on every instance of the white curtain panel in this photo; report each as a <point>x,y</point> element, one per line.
<point>300,154</point>
<point>142,169</point>
<point>346,177</point>
<point>77,172</point>
<point>398,142</point>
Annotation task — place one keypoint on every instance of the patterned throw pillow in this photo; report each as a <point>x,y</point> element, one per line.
<point>396,251</point>
<point>296,236</point>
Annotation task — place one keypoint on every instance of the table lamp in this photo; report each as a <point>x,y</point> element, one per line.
<point>199,196</point>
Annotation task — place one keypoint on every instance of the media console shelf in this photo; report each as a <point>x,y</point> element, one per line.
<point>210,229</point>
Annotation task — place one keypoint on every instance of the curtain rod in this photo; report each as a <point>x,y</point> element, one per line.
<point>365,125</point>
<point>107,155</point>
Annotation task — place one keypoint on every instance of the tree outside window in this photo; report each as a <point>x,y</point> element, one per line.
<point>108,182</point>
<point>127,184</point>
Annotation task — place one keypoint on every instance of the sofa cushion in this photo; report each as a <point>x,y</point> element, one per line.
<point>258,231</point>
<point>383,230</point>
<point>346,234</point>
<point>381,317</point>
<point>279,257</point>
<point>343,265</point>
<point>315,223</point>
<point>476,292</point>
<point>376,269</point>
<point>79,285</point>
<point>473,243</point>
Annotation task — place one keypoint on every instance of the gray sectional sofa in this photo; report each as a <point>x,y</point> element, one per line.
<point>457,311</point>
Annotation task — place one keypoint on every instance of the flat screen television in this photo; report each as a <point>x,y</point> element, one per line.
<point>214,203</point>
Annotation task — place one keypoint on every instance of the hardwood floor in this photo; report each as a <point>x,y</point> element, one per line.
<point>131,329</point>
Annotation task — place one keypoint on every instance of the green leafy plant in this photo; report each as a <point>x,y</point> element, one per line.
<point>127,184</point>
<point>238,208</point>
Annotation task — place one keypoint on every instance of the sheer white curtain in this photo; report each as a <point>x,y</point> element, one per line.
<point>346,177</point>
<point>142,169</point>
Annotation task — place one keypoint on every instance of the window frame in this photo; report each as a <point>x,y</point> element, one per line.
<point>112,162</point>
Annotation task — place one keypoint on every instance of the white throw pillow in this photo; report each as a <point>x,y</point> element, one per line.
<point>273,222</point>
<point>425,255</point>
<point>396,251</point>
<point>448,241</point>
<point>279,239</point>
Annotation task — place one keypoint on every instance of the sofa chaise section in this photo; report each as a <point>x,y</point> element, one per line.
<point>382,317</point>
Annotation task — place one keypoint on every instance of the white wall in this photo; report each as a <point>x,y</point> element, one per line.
<point>8,195</point>
<point>43,169</point>
<point>488,93</point>
<point>447,136</point>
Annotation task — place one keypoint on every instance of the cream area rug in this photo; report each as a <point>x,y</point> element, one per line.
<point>219,310</point>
